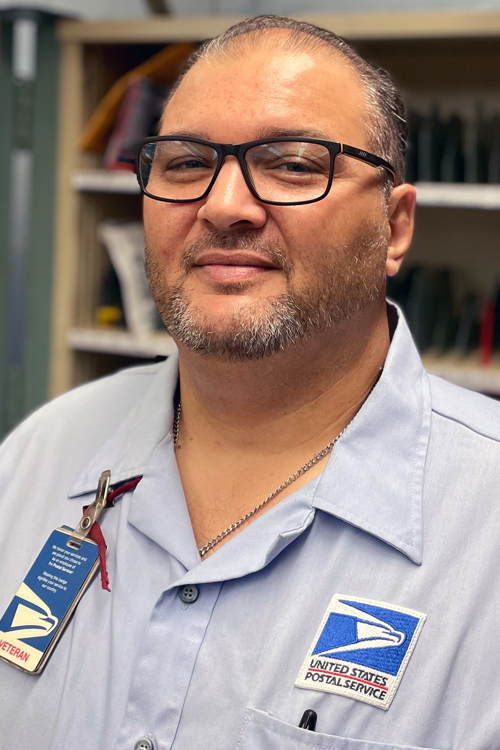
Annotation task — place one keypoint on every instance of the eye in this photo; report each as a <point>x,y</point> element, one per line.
<point>297,167</point>
<point>187,165</point>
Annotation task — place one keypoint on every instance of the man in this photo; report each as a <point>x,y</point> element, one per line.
<point>253,575</point>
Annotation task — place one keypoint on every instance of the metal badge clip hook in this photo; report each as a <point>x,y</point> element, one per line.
<point>92,513</point>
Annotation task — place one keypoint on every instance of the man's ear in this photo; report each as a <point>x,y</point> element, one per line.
<point>401,213</point>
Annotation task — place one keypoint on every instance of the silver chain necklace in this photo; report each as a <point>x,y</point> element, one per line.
<point>303,469</point>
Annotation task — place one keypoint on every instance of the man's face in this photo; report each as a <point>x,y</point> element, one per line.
<point>234,276</point>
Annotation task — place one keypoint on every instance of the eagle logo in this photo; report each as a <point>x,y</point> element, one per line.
<point>32,618</point>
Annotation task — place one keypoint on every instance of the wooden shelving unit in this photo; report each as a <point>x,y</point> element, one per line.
<point>431,55</point>
<point>104,181</point>
<point>458,195</point>
<point>433,194</point>
<point>465,371</point>
<point>115,341</point>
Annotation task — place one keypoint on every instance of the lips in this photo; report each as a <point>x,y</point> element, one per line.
<point>233,259</point>
<point>233,267</point>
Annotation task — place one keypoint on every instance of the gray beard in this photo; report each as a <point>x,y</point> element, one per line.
<point>354,278</point>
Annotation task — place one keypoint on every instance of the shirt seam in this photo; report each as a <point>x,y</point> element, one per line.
<point>414,495</point>
<point>297,742</point>
<point>195,660</point>
<point>365,521</point>
<point>466,426</point>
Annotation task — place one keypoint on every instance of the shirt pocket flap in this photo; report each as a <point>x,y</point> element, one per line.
<point>260,731</point>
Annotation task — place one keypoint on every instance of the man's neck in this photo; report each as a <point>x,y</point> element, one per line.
<point>307,393</point>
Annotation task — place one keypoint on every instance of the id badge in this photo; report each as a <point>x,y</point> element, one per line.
<point>40,610</point>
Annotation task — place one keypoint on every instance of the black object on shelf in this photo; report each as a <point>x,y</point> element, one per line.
<point>494,155</point>
<point>110,308</point>
<point>422,306</point>
<point>411,168</point>
<point>431,142</point>
<point>445,325</point>
<point>453,150</point>
<point>452,167</point>
<point>467,337</point>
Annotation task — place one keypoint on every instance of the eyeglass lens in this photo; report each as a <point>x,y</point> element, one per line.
<point>281,171</point>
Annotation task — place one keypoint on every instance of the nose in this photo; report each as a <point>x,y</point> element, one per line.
<point>230,205</point>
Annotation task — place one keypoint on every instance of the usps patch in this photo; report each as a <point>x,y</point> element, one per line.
<point>361,650</point>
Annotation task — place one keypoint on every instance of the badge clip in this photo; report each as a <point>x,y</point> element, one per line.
<point>43,604</point>
<point>91,515</point>
<point>41,608</point>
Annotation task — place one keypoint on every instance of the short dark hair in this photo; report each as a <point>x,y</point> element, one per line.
<point>387,130</point>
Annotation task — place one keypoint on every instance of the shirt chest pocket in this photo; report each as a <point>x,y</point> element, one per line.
<point>263,732</point>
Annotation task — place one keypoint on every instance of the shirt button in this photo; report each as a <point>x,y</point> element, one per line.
<point>144,744</point>
<point>189,594</point>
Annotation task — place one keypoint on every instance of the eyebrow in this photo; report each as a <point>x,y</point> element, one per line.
<point>264,134</point>
<point>294,133</point>
<point>181,134</point>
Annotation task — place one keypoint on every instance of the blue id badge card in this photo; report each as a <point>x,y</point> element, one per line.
<point>46,599</point>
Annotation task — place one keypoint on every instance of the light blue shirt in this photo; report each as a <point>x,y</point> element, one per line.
<point>406,512</point>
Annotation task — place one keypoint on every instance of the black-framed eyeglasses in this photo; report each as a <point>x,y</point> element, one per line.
<point>282,171</point>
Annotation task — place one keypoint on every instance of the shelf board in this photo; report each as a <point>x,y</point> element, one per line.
<point>360,25</point>
<point>105,181</point>
<point>434,194</point>
<point>458,195</point>
<point>124,343</point>
<point>465,371</point>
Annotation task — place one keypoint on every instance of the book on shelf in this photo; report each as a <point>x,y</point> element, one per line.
<point>486,332</point>
<point>452,159</point>
<point>125,244</point>
<point>494,155</point>
<point>138,117</point>
<point>431,137</point>
<point>453,148</point>
<point>468,326</point>
<point>162,69</point>
<point>442,320</point>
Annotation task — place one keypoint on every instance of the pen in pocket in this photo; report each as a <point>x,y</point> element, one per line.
<point>308,720</point>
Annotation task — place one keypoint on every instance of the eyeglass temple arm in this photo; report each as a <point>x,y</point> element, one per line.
<point>374,161</point>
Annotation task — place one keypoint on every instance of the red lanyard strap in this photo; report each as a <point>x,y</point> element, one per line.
<point>121,490</point>
<point>96,534</point>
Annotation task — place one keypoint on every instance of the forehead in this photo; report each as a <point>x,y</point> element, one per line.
<point>240,97</point>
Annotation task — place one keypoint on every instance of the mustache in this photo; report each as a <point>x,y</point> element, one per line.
<point>250,240</point>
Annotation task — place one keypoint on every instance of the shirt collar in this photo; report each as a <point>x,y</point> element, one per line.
<point>374,477</point>
<point>129,449</point>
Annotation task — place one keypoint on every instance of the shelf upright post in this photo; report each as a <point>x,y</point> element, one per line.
<point>23,70</point>
<point>6,129</point>
<point>28,208</point>
<point>67,230</point>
